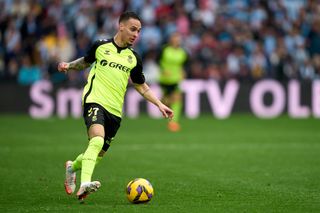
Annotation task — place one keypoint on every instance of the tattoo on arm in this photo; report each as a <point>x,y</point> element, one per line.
<point>78,64</point>
<point>144,92</point>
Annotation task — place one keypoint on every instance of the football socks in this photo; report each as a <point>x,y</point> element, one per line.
<point>176,107</point>
<point>89,158</point>
<point>77,163</point>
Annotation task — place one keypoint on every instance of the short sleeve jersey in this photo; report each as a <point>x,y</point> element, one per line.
<point>172,61</point>
<point>112,66</point>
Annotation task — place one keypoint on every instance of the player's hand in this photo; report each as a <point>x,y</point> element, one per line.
<point>166,111</point>
<point>63,67</point>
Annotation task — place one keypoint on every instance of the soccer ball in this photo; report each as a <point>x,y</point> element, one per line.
<point>139,190</point>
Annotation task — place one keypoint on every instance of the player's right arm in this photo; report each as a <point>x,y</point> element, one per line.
<point>83,62</point>
<point>78,64</point>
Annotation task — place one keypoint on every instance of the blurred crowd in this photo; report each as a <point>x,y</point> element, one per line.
<point>243,39</point>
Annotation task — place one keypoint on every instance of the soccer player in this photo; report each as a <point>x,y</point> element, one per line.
<point>172,60</point>
<point>112,62</point>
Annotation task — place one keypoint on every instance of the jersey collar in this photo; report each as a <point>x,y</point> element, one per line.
<point>118,48</point>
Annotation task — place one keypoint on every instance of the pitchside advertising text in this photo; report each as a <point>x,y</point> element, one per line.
<point>264,99</point>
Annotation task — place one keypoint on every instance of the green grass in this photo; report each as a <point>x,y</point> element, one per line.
<point>242,164</point>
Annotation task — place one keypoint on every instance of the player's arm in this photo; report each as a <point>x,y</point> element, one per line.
<point>83,62</point>
<point>78,64</point>
<point>140,85</point>
<point>147,93</point>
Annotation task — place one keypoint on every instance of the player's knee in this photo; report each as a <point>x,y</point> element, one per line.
<point>96,130</point>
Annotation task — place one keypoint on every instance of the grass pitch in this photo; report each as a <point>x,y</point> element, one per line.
<point>241,164</point>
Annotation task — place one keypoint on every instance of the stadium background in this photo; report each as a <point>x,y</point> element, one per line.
<point>239,163</point>
<point>243,40</point>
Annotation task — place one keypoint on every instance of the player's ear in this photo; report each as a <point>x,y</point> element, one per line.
<point>121,26</point>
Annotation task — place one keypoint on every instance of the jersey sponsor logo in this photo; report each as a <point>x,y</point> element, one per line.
<point>115,65</point>
<point>107,52</point>
<point>103,62</point>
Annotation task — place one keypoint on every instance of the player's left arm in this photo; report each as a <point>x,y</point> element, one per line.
<point>148,94</point>
<point>142,87</point>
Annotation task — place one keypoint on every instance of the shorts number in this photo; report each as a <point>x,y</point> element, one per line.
<point>93,110</point>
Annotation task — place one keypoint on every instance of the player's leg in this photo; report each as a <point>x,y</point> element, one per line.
<point>71,168</point>
<point>77,163</point>
<point>94,119</point>
<point>176,104</point>
<point>96,135</point>
<point>70,181</point>
<point>165,97</point>
<point>175,99</point>
<point>93,115</point>
<point>111,125</point>
<point>167,91</point>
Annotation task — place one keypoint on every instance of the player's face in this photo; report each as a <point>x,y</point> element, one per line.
<point>130,30</point>
<point>175,40</point>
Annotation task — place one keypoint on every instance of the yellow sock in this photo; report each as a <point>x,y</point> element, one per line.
<point>176,107</point>
<point>77,163</point>
<point>89,158</point>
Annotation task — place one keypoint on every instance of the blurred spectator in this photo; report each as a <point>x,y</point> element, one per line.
<point>12,38</point>
<point>151,68</point>
<point>258,63</point>
<point>196,69</point>
<point>307,71</point>
<point>182,22</point>
<point>293,40</point>
<point>314,38</point>
<point>316,63</point>
<point>151,37</point>
<point>12,71</point>
<point>237,64</point>
<point>242,39</point>
<point>277,62</point>
<point>28,73</point>
<point>213,72</point>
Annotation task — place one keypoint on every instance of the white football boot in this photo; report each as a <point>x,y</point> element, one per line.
<point>87,188</point>
<point>70,182</point>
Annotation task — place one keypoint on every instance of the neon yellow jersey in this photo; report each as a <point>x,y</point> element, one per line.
<point>112,66</point>
<point>171,63</point>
